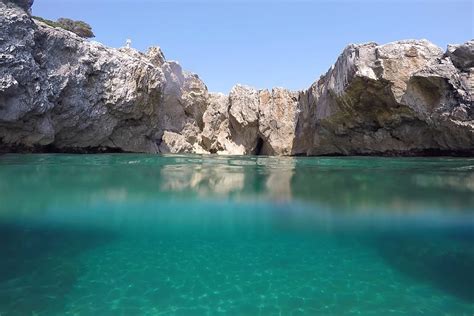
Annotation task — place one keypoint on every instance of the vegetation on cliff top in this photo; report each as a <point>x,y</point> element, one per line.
<point>80,28</point>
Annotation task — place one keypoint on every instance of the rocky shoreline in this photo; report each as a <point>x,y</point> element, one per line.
<point>62,93</point>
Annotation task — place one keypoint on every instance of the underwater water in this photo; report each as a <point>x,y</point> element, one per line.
<point>125,234</point>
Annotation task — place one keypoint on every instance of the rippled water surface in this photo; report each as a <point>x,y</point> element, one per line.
<point>204,235</point>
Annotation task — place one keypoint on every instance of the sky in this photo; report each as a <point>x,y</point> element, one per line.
<point>263,43</point>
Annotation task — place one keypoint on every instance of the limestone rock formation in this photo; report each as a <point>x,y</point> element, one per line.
<point>462,56</point>
<point>278,114</point>
<point>251,121</point>
<point>24,4</point>
<point>405,97</point>
<point>59,92</point>
<point>69,94</point>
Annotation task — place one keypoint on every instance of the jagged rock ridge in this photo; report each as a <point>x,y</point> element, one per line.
<point>59,92</point>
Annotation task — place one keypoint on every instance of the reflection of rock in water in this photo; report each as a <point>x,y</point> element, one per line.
<point>460,182</point>
<point>261,177</point>
<point>370,189</point>
<point>39,266</point>
<point>445,261</point>
<point>280,173</point>
<point>204,180</point>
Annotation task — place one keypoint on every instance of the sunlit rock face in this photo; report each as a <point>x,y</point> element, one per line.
<point>251,121</point>
<point>405,97</point>
<point>59,92</point>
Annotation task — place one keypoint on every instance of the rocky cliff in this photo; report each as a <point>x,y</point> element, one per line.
<point>59,92</point>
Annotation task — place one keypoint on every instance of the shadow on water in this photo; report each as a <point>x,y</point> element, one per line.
<point>39,266</point>
<point>445,263</point>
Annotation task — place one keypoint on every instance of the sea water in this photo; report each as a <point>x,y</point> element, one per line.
<point>126,234</point>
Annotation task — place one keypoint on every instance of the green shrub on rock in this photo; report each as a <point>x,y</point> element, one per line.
<point>80,28</point>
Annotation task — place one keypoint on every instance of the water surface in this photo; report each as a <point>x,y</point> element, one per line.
<point>131,234</point>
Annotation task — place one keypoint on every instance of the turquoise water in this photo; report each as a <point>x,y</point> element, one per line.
<point>204,235</point>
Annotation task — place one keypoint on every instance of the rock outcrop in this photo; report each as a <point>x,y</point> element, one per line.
<point>405,98</point>
<point>59,92</point>
<point>69,94</point>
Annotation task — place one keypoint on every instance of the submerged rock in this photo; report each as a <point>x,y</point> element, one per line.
<point>59,92</point>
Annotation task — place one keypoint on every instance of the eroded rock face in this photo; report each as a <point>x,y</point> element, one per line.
<point>278,113</point>
<point>59,92</point>
<point>462,56</point>
<point>251,121</point>
<point>243,117</point>
<point>24,4</point>
<point>403,98</point>
<point>67,93</point>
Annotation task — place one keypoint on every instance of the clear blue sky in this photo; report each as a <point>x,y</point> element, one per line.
<point>263,43</point>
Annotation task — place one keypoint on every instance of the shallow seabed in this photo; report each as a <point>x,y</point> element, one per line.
<point>131,234</point>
